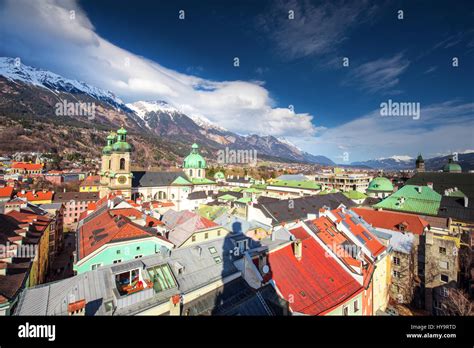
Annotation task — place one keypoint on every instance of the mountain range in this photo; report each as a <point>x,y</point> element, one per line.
<point>466,160</point>
<point>32,94</point>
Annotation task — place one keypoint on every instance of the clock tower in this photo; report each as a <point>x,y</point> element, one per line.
<point>115,174</point>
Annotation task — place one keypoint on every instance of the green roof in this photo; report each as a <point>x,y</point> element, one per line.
<point>413,199</point>
<point>180,181</point>
<point>244,200</point>
<point>228,198</point>
<point>452,168</point>
<point>252,190</point>
<point>380,184</point>
<point>219,175</point>
<point>456,193</point>
<point>211,212</point>
<point>237,189</point>
<point>354,194</point>
<point>202,181</point>
<point>121,146</point>
<point>259,186</point>
<point>194,160</point>
<point>308,185</point>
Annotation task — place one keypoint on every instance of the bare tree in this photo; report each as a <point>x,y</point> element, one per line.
<point>458,303</point>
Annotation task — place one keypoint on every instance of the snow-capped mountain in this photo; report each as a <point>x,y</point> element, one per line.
<point>160,107</point>
<point>35,92</point>
<point>398,162</point>
<point>14,70</point>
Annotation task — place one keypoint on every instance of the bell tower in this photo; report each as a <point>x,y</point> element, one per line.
<point>115,174</point>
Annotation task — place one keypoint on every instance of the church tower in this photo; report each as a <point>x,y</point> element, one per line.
<point>420,164</point>
<point>115,174</point>
<point>194,164</point>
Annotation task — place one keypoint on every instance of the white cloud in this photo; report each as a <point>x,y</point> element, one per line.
<point>42,34</point>
<point>442,128</point>
<point>379,75</point>
<point>316,28</point>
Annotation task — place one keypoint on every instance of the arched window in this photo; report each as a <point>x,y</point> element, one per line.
<point>190,172</point>
<point>122,164</point>
<point>199,172</point>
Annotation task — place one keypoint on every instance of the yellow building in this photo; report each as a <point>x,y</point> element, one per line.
<point>381,283</point>
<point>90,184</point>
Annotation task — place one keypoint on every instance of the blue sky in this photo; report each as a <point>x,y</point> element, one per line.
<point>282,62</point>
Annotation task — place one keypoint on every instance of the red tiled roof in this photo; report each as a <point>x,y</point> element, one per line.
<point>314,285</point>
<point>391,220</point>
<point>370,241</point>
<point>37,196</point>
<point>300,233</point>
<point>6,191</point>
<point>27,166</point>
<point>76,306</point>
<point>105,228</point>
<point>127,212</point>
<point>92,180</point>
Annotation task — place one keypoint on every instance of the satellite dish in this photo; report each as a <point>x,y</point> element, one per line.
<point>265,269</point>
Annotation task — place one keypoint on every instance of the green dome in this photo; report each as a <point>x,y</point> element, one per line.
<point>107,150</point>
<point>452,168</point>
<point>194,160</point>
<point>122,131</point>
<point>121,146</point>
<point>380,184</point>
<point>219,175</point>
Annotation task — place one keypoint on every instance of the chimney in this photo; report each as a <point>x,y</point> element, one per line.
<point>77,308</point>
<point>466,202</point>
<point>298,249</point>
<point>175,305</point>
<point>418,189</point>
<point>430,185</point>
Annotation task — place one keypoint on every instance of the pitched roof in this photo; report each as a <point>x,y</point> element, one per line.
<point>444,181</point>
<point>76,196</point>
<point>152,179</point>
<point>317,283</point>
<point>91,180</point>
<point>36,195</point>
<point>280,211</point>
<point>308,185</point>
<point>6,192</point>
<point>184,224</point>
<point>103,228</point>
<point>27,166</point>
<point>411,198</point>
<point>392,220</point>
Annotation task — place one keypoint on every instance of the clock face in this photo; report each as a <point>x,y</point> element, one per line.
<point>122,179</point>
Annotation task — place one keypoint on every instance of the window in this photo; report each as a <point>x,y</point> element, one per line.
<point>138,248</point>
<point>109,305</point>
<point>122,164</point>
<point>218,232</point>
<point>443,264</point>
<point>212,250</point>
<point>345,310</point>
<point>397,274</point>
<point>444,292</point>
<point>206,235</point>
<point>442,250</point>
<point>444,278</point>
<point>356,306</point>
<point>193,238</point>
<point>118,252</point>
<point>217,259</point>
<point>95,266</point>
<point>396,261</point>
<point>161,277</point>
<point>117,261</point>
<point>138,256</point>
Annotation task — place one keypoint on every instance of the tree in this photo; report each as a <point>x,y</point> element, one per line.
<point>458,303</point>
